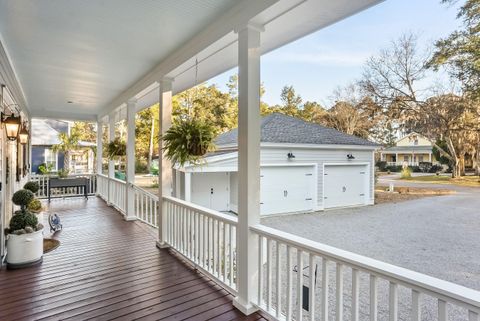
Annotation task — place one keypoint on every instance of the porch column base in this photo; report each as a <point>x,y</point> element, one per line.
<point>162,245</point>
<point>130,218</point>
<point>245,308</point>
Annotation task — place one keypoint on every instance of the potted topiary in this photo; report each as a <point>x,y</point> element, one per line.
<point>188,140</point>
<point>24,235</point>
<point>35,206</point>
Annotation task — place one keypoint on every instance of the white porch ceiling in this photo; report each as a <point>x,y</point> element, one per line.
<point>98,54</point>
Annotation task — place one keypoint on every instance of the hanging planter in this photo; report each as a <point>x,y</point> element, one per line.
<point>188,140</point>
<point>116,148</point>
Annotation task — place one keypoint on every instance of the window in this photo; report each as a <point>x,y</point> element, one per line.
<point>405,158</point>
<point>51,158</point>
<point>415,142</point>
<point>420,158</point>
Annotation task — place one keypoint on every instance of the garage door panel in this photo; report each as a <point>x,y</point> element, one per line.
<point>286,189</point>
<point>345,185</point>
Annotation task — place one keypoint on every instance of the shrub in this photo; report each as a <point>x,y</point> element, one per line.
<point>116,148</point>
<point>406,173</point>
<point>436,168</point>
<point>415,169</point>
<point>35,206</point>
<point>141,166</point>
<point>32,186</point>
<point>394,168</point>
<point>21,219</point>
<point>425,166</point>
<point>63,173</point>
<point>22,198</point>
<point>382,165</point>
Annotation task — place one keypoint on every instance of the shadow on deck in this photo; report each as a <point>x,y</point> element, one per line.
<point>107,268</point>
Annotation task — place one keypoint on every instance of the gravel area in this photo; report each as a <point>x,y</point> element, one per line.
<point>438,236</point>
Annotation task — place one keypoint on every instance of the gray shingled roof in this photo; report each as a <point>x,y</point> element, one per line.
<point>280,128</point>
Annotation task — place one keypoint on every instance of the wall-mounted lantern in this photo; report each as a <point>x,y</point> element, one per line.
<point>12,126</point>
<point>23,135</point>
<point>350,157</point>
<point>290,155</point>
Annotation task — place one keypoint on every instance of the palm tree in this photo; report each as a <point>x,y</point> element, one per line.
<point>67,144</point>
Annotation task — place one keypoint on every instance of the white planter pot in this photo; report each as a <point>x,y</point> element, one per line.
<point>25,249</point>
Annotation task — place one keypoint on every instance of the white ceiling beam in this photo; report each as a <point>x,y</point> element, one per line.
<point>241,13</point>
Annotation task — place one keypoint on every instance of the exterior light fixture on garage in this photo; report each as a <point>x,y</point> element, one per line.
<point>350,156</point>
<point>290,155</point>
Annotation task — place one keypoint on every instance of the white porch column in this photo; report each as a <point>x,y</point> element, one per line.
<point>164,165</point>
<point>248,165</point>
<point>430,157</point>
<point>111,164</point>
<point>130,197</point>
<point>99,146</point>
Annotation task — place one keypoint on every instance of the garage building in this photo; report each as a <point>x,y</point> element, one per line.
<point>304,167</point>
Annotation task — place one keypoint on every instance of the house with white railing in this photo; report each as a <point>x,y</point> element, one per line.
<point>410,150</point>
<point>105,61</point>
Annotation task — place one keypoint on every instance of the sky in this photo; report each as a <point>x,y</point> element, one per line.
<point>320,62</point>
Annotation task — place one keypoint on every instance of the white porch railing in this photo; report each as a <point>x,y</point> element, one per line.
<point>402,163</point>
<point>346,285</point>
<point>280,289</point>
<point>113,191</point>
<point>146,206</point>
<point>43,181</point>
<point>204,237</point>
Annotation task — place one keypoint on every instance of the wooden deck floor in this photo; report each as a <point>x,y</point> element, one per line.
<point>109,269</point>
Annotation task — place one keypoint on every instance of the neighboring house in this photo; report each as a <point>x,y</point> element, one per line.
<point>304,167</point>
<point>409,150</point>
<point>46,135</point>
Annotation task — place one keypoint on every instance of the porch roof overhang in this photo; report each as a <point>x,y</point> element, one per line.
<point>98,55</point>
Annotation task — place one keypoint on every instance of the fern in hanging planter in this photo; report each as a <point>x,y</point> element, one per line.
<point>188,140</point>
<point>116,148</point>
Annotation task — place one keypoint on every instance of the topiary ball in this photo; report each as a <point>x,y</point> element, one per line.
<point>21,220</point>
<point>32,186</point>
<point>35,206</point>
<point>22,197</point>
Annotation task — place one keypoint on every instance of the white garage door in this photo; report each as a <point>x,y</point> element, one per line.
<point>345,185</point>
<point>286,189</point>
<point>211,190</point>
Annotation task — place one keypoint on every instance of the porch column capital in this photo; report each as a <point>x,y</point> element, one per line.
<point>249,26</point>
<point>132,102</point>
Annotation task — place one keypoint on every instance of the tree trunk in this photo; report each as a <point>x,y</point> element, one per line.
<point>150,146</point>
<point>462,165</point>
<point>455,161</point>
<point>66,161</point>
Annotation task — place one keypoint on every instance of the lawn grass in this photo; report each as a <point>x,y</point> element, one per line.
<point>441,179</point>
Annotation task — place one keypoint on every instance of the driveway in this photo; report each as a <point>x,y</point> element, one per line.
<point>438,236</point>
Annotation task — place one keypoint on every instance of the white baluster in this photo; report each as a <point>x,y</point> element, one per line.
<point>339,288</point>
<point>393,302</point>
<point>325,287</point>
<point>416,305</point>
<point>260,271</point>
<point>373,298</point>
<point>311,288</point>
<point>299,284</point>
<point>289,283</point>
<point>442,310</point>
<point>279,282</point>
<point>269,274</point>
<point>355,294</point>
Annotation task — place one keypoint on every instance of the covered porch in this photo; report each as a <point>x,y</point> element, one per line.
<point>198,263</point>
<point>104,269</point>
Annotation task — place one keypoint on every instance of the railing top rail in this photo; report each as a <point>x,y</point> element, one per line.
<point>138,188</point>
<point>428,284</point>
<point>203,210</point>
<point>117,180</point>
<point>102,175</point>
